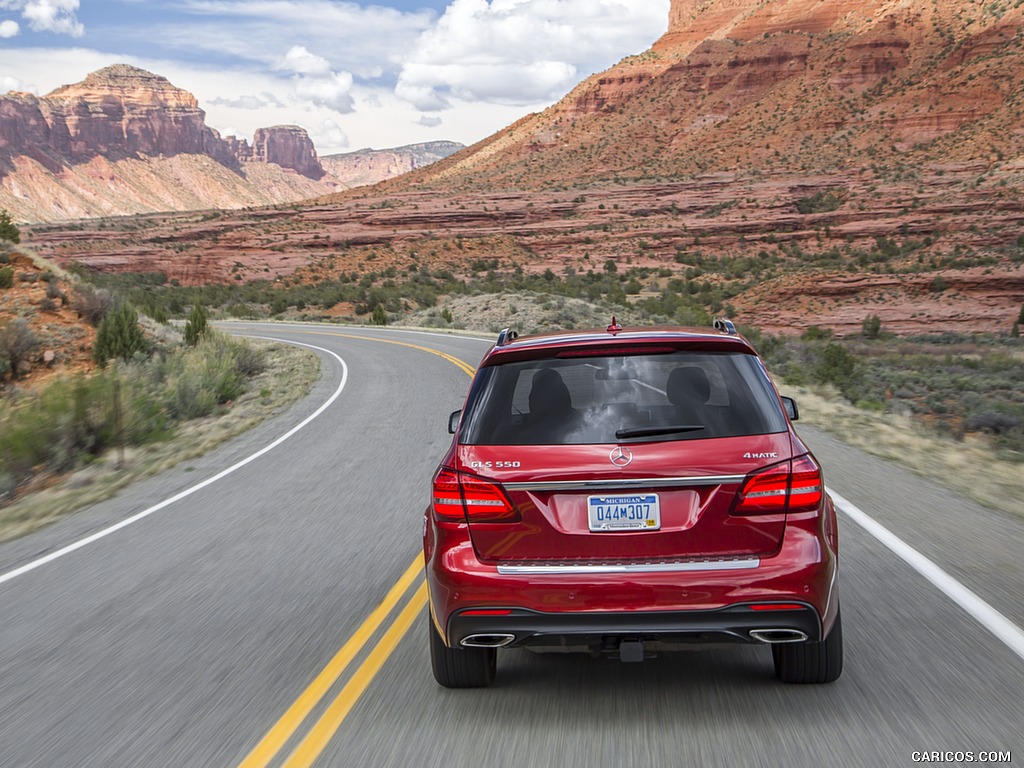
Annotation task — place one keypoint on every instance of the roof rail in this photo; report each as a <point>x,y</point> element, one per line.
<point>507,336</point>
<point>724,325</point>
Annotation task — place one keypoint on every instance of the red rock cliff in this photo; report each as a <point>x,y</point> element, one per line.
<point>777,85</point>
<point>288,146</point>
<point>123,111</point>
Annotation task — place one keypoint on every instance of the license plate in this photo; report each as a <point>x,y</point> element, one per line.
<point>624,513</point>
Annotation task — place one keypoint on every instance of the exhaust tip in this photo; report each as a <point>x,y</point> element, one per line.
<point>773,636</point>
<point>487,641</point>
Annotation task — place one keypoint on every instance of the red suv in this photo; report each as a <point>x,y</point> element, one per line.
<point>627,492</point>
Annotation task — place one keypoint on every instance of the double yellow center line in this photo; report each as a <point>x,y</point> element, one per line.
<point>317,738</point>
<point>315,741</point>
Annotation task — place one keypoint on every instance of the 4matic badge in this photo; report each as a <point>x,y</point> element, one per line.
<point>749,455</point>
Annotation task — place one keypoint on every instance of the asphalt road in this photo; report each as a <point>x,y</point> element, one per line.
<point>199,633</point>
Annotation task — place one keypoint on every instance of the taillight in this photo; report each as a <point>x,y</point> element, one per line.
<point>792,486</point>
<point>447,498</point>
<point>460,497</point>
<point>806,486</point>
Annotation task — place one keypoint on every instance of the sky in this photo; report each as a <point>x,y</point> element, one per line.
<point>353,74</point>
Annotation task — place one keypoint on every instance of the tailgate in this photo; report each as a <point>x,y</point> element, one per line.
<point>669,500</point>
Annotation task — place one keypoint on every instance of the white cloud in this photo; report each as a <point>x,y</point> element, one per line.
<point>429,122</point>
<point>315,83</point>
<point>368,40</point>
<point>262,101</point>
<point>47,15</point>
<point>8,83</point>
<point>333,92</point>
<point>520,52</point>
<point>302,62</point>
<point>330,138</point>
<point>9,28</point>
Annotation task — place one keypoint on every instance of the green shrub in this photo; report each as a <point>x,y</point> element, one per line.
<point>208,375</point>
<point>871,327</point>
<point>821,202</point>
<point>380,315</point>
<point>839,367</point>
<point>197,325</point>
<point>6,277</point>
<point>69,420</point>
<point>815,333</point>
<point>17,343</point>
<point>8,230</point>
<point>119,335</point>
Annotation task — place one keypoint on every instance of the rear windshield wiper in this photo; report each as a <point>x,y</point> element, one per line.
<point>621,434</point>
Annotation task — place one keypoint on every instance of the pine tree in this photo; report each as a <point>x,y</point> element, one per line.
<point>197,325</point>
<point>871,327</point>
<point>119,335</point>
<point>8,230</point>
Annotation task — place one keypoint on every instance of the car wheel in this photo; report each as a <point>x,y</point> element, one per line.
<point>460,667</point>
<point>811,662</point>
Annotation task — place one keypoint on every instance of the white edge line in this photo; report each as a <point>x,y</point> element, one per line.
<point>1000,626</point>
<point>31,566</point>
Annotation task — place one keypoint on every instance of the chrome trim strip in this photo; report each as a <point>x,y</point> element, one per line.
<point>558,570</point>
<point>643,482</point>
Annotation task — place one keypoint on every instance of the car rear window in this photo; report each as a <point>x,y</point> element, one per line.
<point>676,396</point>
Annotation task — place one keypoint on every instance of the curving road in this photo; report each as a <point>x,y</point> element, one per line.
<point>261,619</point>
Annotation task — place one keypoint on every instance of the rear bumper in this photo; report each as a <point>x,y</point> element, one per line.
<point>596,631</point>
<point>706,604</point>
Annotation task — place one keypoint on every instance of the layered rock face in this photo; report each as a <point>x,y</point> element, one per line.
<point>288,146</point>
<point>124,110</point>
<point>57,150</point>
<point>777,86</point>
<point>370,166</point>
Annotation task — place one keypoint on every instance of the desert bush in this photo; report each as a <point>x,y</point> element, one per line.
<point>92,304</point>
<point>54,292</point>
<point>380,315</point>
<point>119,335</point>
<point>820,202</point>
<point>196,326</point>
<point>8,230</point>
<point>17,343</point>
<point>871,327</point>
<point>210,374</point>
<point>6,277</point>
<point>70,420</point>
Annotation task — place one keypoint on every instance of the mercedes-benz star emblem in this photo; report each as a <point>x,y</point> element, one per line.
<point>621,456</point>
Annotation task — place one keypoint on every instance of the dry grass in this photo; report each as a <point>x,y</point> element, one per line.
<point>289,374</point>
<point>970,467</point>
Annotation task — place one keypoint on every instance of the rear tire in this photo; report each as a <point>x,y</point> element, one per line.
<point>811,662</point>
<point>460,667</point>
